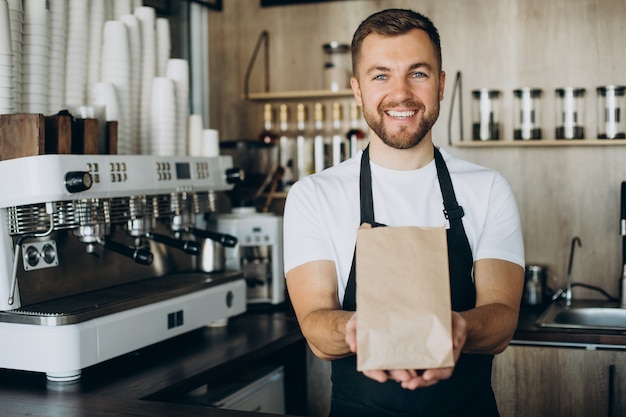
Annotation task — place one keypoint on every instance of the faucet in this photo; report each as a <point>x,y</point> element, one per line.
<point>622,295</point>
<point>568,291</point>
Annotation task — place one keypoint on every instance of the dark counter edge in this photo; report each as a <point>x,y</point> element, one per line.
<point>146,382</point>
<point>528,333</point>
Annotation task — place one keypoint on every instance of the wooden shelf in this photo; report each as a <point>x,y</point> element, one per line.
<point>538,143</point>
<point>300,95</point>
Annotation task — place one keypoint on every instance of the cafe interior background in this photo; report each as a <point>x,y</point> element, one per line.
<point>246,54</point>
<point>564,188</point>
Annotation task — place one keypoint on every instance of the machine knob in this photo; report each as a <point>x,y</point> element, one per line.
<point>77,181</point>
<point>234,175</point>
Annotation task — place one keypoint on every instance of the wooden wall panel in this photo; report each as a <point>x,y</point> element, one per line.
<point>501,44</point>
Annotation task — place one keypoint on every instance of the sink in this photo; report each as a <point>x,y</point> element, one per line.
<point>591,315</point>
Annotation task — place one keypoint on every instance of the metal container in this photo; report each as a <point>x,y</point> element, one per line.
<point>535,285</point>
<point>211,258</point>
<point>212,255</point>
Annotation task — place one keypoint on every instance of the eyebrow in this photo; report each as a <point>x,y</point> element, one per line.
<point>417,65</point>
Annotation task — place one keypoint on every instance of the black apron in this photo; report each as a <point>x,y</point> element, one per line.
<point>468,392</point>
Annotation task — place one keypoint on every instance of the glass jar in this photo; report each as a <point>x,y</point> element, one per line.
<point>336,69</point>
<point>611,102</point>
<point>486,114</point>
<point>570,113</point>
<point>527,108</point>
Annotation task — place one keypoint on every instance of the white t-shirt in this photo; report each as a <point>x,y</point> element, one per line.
<point>322,211</point>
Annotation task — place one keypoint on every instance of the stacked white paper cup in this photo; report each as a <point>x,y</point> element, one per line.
<point>104,94</point>
<point>77,53</point>
<point>195,126</point>
<point>147,19</point>
<point>121,8</point>
<point>178,70</point>
<point>135,4</point>
<point>134,38</point>
<point>16,17</point>
<point>211,142</point>
<point>6,61</point>
<point>163,112</point>
<point>97,17</point>
<point>163,45</point>
<point>58,40</point>
<point>115,69</point>
<point>35,57</point>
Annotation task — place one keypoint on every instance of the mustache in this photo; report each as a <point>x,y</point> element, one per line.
<point>406,104</point>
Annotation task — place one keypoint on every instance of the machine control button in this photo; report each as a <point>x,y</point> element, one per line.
<point>77,181</point>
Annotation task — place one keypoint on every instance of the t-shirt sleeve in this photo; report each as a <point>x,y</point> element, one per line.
<point>304,233</point>
<point>501,236</point>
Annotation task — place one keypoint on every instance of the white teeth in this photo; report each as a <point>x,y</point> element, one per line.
<point>400,113</point>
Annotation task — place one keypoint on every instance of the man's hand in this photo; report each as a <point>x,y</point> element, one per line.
<point>410,378</point>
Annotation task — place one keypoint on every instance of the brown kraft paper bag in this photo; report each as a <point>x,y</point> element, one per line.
<point>403,298</point>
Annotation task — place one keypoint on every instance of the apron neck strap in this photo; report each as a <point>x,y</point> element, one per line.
<point>451,210</point>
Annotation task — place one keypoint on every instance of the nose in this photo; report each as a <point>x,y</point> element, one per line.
<point>400,90</point>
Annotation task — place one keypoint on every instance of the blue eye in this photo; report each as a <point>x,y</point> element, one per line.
<point>418,75</point>
<point>380,77</point>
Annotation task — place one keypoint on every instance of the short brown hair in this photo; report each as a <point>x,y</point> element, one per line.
<point>393,22</point>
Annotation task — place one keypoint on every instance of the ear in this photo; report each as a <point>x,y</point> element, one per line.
<point>356,90</point>
<point>442,84</point>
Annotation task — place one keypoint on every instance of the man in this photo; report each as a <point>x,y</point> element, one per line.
<point>406,181</point>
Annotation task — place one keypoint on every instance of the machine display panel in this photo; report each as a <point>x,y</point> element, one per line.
<point>183,171</point>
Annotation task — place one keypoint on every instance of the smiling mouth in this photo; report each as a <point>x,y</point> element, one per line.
<point>400,114</point>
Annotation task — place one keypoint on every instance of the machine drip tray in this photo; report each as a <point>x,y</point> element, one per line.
<point>93,304</point>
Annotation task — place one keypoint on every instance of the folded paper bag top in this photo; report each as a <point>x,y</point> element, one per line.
<point>403,298</point>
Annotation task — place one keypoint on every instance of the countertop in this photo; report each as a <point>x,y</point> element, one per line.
<point>149,382</point>
<point>146,382</point>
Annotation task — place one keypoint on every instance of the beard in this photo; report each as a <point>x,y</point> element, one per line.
<point>408,136</point>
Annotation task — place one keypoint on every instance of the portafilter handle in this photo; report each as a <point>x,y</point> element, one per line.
<point>227,240</point>
<point>188,246</point>
<point>140,255</point>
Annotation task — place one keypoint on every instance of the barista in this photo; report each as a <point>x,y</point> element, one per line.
<point>402,179</point>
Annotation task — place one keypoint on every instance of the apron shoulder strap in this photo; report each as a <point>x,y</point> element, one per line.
<point>367,201</point>
<point>451,208</point>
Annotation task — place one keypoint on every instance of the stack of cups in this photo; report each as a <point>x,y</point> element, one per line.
<point>178,71</point>
<point>77,53</point>
<point>121,8</point>
<point>134,39</point>
<point>195,126</point>
<point>6,61</point>
<point>163,112</point>
<point>164,45</point>
<point>97,17</point>
<point>35,57</point>
<point>58,39</point>
<point>210,143</point>
<point>116,69</point>
<point>16,17</point>
<point>147,19</point>
<point>105,95</point>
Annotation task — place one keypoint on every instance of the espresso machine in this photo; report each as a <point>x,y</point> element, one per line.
<point>100,253</point>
